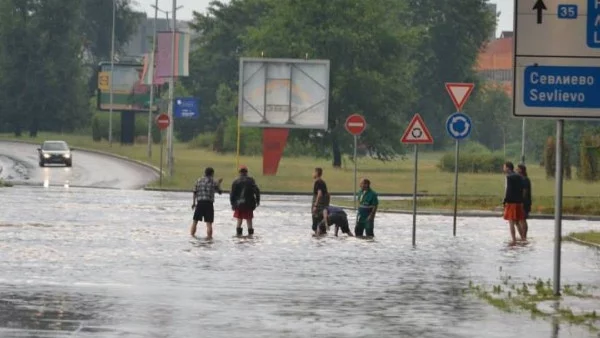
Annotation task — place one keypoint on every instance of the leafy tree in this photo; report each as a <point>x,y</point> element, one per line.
<point>40,63</point>
<point>455,31</point>
<point>214,61</point>
<point>371,68</point>
<point>97,31</point>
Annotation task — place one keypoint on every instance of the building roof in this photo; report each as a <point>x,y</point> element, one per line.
<point>497,54</point>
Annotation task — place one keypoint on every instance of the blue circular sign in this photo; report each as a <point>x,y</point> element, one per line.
<point>459,126</point>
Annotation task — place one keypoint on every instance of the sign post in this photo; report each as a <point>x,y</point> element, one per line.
<point>458,126</point>
<point>162,121</point>
<point>416,133</point>
<point>557,81</point>
<point>355,125</point>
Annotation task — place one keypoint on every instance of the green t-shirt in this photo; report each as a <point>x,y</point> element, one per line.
<point>367,199</point>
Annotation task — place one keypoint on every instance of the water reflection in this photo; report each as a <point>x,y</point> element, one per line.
<point>106,263</point>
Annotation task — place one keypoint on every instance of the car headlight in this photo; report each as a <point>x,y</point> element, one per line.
<point>46,155</point>
<point>67,155</point>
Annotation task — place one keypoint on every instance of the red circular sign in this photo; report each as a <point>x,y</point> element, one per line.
<point>356,124</point>
<point>163,121</point>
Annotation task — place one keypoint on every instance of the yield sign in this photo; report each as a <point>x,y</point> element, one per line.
<point>459,93</point>
<point>417,132</point>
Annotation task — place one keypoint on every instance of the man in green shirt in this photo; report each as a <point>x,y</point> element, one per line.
<point>367,207</point>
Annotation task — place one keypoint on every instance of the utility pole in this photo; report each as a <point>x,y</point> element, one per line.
<point>112,71</point>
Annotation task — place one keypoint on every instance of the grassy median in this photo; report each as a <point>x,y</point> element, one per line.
<point>592,237</point>
<point>477,191</point>
<point>542,204</point>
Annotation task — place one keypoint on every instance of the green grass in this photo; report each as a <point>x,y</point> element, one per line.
<point>589,236</point>
<point>4,184</point>
<point>541,205</point>
<point>294,174</point>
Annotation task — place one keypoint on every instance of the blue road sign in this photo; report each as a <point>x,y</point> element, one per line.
<point>186,107</point>
<point>593,24</point>
<point>458,126</point>
<point>567,11</point>
<point>561,87</point>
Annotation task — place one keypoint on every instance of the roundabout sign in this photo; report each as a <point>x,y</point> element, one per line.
<point>459,126</point>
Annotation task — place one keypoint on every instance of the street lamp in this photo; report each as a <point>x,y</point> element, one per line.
<point>170,159</point>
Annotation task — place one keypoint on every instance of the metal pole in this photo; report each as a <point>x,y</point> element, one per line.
<point>151,76</point>
<point>112,68</point>
<point>523,143</point>
<point>455,188</point>
<point>558,204</point>
<point>355,171</point>
<point>170,158</point>
<point>414,230</point>
<point>162,143</point>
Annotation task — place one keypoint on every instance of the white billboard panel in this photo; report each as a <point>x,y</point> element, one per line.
<point>284,93</point>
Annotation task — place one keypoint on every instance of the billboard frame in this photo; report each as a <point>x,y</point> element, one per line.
<point>294,63</point>
<point>99,92</point>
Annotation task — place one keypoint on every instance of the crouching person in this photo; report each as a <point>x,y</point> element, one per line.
<point>336,216</point>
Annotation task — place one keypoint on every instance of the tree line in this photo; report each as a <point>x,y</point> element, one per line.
<point>389,60</point>
<point>49,51</point>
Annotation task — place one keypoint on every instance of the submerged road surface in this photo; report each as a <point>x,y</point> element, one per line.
<point>19,165</point>
<point>120,263</point>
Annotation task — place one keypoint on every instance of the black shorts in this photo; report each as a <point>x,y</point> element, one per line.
<point>340,221</point>
<point>527,209</point>
<point>205,211</point>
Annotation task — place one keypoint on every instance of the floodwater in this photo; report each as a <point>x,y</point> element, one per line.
<point>112,263</point>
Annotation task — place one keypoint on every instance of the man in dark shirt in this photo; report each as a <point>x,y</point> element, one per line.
<point>336,216</point>
<point>320,200</point>
<point>513,201</point>
<point>244,198</point>
<point>204,197</point>
<point>522,170</point>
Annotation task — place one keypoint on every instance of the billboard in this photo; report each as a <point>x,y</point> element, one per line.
<point>129,91</point>
<point>284,93</point>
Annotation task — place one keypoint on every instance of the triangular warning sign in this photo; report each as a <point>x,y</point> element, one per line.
<point>459,93</point>
<point>417,132</point>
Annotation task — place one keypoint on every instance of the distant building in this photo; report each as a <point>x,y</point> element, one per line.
<point>495,61</point>
<point>141,41</point>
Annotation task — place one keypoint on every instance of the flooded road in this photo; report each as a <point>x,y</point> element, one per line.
<point>118,263</point>
<point>19,165</point>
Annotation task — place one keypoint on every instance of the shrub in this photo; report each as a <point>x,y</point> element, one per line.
<point>202,141</point>
<point>588,158</point>
<point>482,162</point>
<point>550,158</point>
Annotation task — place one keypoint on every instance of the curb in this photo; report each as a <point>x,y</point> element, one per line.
<point>121,157</point>
<point>482,214</point>
<point>571,238</point>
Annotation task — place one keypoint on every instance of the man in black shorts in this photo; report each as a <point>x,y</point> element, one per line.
<point>204,198</point>
<point>336,216</point>
<point>320,200</point>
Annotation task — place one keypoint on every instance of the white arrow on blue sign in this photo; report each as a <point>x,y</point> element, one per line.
<point>458,126</point>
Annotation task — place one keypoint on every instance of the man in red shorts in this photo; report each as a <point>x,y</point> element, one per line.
<point>244,198</point>
<point>514,212</point>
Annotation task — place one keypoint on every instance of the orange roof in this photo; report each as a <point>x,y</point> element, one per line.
<point>497,54</point>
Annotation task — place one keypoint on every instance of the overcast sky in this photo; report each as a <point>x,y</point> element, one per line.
<point>185,13</point>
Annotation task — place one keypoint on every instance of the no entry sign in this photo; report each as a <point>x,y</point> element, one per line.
<point>163,121</point>
<point>356,124</point>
